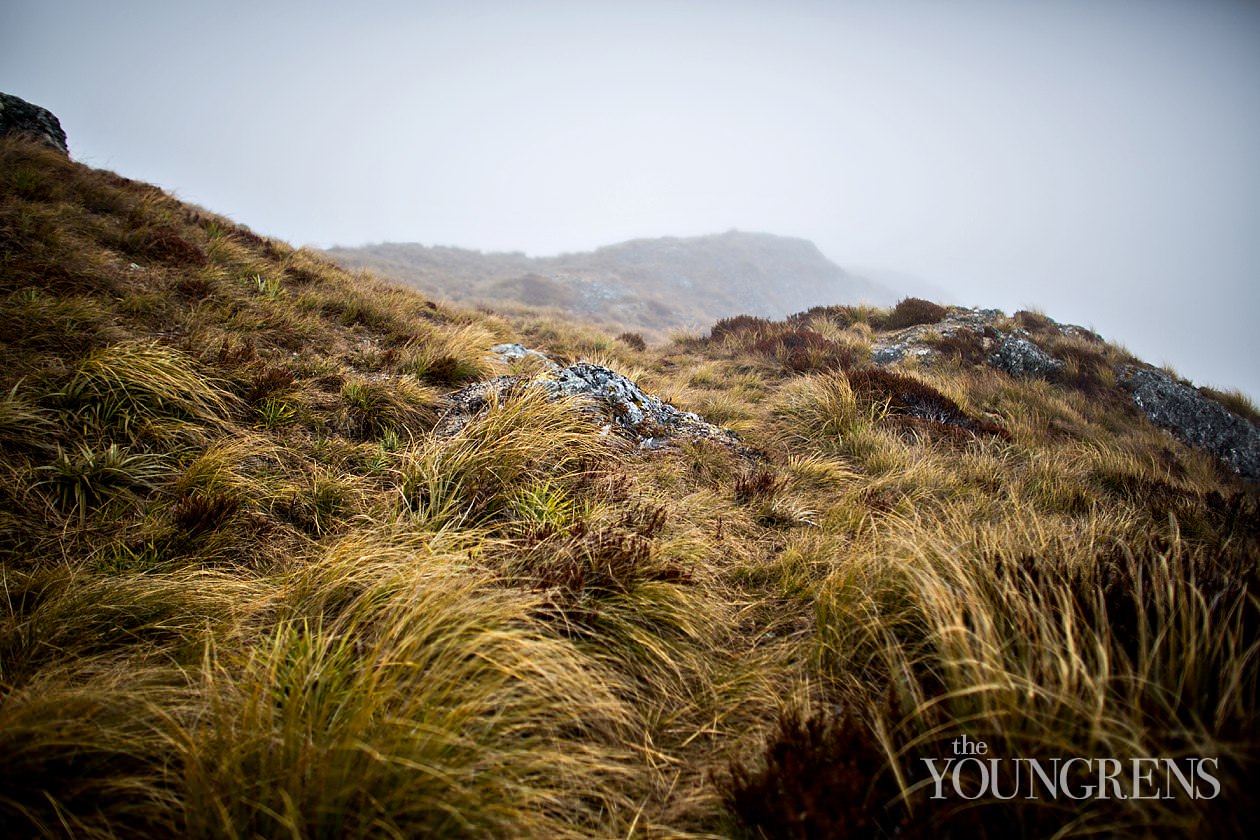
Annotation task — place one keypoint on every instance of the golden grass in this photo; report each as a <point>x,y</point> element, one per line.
<point>252,587</point>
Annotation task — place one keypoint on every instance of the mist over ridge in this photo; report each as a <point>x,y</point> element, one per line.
<point>650,286</point>
<point>1095,160</point>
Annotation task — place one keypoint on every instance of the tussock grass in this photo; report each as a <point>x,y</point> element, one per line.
<point>24,423</point>
<point>84,755</point>
<point>251,584</point>
<point>424,706</point>
<point>128,384</point>
<point>450,357</point>
<point>373,408</point>
<point>470,477</point>
<point>1097,639</point>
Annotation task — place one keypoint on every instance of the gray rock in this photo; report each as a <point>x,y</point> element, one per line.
<point>627,410</point>
<point>1195,419</point>
<point>632,409</point>
<point>17,116</point>
<point>888,355</point>
<point>1019,356</point>
<point>892,353</point>
<point>915,342</point>
<point>515,352</point>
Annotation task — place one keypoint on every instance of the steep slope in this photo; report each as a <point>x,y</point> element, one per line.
<point>288,551</point>
<point>645,285</point>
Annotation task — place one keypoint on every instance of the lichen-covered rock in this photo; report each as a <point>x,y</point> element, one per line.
<point>917,342</point>
<point>17,116</point>
<point>890,354</point>
<point>1019,356</point>
<point>634,410</point>
<point>1197,420</point>
<point>977,336</point>
<point>627,410</point>
<point>516,352</point>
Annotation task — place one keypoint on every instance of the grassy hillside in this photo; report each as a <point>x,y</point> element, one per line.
<point>648,286</point>
<point>250,588</point>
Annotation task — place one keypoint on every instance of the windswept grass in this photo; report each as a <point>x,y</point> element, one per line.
<point>426,705</point>
<point>1100,641</point>
<point>255,580</point>
<point>469,478</point>
<point>125,386</point>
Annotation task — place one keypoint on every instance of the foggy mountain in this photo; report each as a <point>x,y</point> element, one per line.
<point>645,285</point>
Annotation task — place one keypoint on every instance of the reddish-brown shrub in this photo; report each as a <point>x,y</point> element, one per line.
<point>801,349</point>
<point>633,340</point>
<point>197,512</point>
<point>1087,369</point>
<point>264,381</point>
<point>758,482</point>
<point>1034,322</point>
<point>194,287</point>
<point>912,311</point>
<point>738,325</point>
<point>819,776</point>
<point>843,316</point>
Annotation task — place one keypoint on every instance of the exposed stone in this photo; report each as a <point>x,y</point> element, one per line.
<point>1014,352</point>
<point>1195,419</point>
<point>632,409</point>
<point>915,342</point>
<point>1019,356</point>
<point>893,353</point>
<point>516,352</point>
<point>17,116</point>
<point>1080,332</point>
<point>627,410</point>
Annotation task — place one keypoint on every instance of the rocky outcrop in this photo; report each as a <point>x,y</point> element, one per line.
<point>634,413</point>
<point>923,342</point>
<point>17,116</point>
<point>516,352</point>
<point>1019,356</point>
<point>1195,419</point>
<point>976,337</point>
<point>984,336</point>
<point>626,410</point>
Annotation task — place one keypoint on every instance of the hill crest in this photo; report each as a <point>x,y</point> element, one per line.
<point>652,286</point>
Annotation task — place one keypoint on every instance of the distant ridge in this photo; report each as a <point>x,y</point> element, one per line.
<point>646,285</point>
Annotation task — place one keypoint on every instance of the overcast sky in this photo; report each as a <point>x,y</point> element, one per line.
<point>1098,159</point>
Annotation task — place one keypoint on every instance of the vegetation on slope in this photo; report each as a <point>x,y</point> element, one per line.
<point>248,591</point>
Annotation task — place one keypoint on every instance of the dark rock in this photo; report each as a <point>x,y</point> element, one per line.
<point>1195,419</point>
<point>17,116</point>
<point>1019,356</point>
